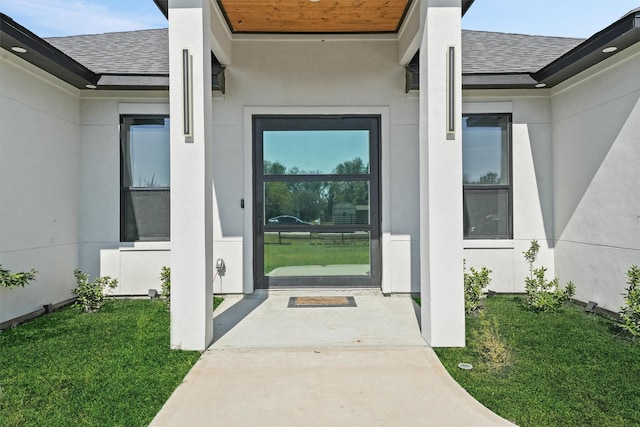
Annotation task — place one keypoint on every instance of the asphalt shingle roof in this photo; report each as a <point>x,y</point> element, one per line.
<point>146,51</point>
<point>487,52</point>
<point>131,52</point>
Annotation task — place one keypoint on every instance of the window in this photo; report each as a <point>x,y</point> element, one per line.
<point>144,178</point>
<point>486,166</point>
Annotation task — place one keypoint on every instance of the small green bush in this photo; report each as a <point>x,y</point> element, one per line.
<point>543,295</point>
<point>15,280</point>
<point>630,312</point>
<point>91,294</point>
<point>474,283</point>
<point>165,277</point>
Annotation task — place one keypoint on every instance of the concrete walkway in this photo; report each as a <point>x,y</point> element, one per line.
<point>271,365</point>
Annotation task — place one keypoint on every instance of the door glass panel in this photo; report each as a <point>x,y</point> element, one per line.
<point>291,253</point>
<point>315,152</point>
<point>316,200</point>
<point>305,203</point>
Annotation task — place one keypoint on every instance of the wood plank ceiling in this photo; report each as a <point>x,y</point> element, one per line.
<point>314,16</point>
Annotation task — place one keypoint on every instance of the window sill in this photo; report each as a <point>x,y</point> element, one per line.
<point>487,244</point>
<point>145,246</point>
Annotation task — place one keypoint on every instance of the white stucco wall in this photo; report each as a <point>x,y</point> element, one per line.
<point>285,77</point>
<point>316,77</point>
<point>39,183</point>
<point>596,123</point>
<point>324,77</point>
<point>59,198</point>
<point>136,265</point>
<point>532,175</point>
<point>320,77</point>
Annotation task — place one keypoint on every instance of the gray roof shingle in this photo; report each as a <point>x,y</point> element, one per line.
<point>487,52</point>
<point>146,51</point>
<point>131,52</point>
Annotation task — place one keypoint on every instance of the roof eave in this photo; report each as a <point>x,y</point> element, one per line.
<point>623,33</point>
<point>115,81</point>
<point>466,4</point>
<point>477,80</point>
<point>43,55</point>
<point>498,81</point>
<point>133,82</point>
<point>163,5</point>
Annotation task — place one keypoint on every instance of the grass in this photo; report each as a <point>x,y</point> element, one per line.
<point>566,368</point>
<point>111,368</point>
<point>294,249</point>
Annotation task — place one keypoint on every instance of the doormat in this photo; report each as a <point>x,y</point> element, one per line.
<point>312,302</point>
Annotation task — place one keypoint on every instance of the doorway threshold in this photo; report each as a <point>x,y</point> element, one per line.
<point>324,291</point>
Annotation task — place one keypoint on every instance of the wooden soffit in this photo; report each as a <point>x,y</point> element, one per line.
<point>314,16</point>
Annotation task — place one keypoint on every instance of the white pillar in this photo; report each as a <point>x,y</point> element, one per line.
<point>441,281</point>
<point>191,178</point>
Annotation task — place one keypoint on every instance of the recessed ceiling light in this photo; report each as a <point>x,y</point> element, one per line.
<point>19,49</point>
<point>609,49</point>
<point>539,85</point>
<point>314,1</point>
<point>90,86</point>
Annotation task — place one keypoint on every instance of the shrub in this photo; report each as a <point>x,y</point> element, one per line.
<point>474,283</point>
<point>630,312</point>
<point>15,280</point>
<point>543,295</point>
<point>165,277</point>
<point>91,294</point>
<point>490,345</point>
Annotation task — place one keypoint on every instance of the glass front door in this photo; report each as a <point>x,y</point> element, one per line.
<point>316,218</point>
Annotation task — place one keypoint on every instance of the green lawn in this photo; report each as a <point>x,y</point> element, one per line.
<point>111,368</point>
<point>567,368</point>
<point>294,249</point>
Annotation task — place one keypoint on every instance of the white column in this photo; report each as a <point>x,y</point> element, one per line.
<point>441,281</point>
<point>191,178</point>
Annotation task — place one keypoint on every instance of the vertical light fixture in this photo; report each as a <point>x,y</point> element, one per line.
<point>451,91</point>
<point>187,96</point>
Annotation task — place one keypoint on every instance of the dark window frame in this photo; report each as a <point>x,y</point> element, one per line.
<point>126,120</point>
<point>497,187</point>
<point>268,122</point>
